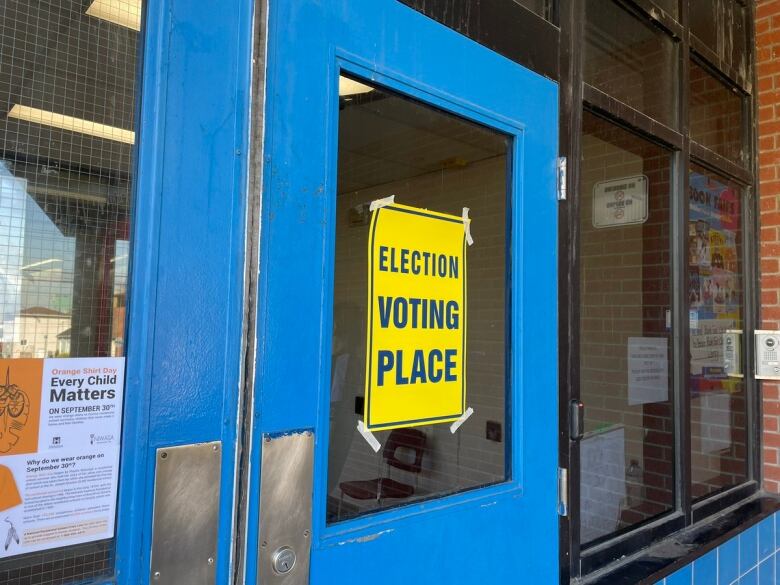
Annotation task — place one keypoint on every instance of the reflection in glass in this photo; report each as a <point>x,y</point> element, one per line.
<point>631,61</point>
<point>541,7</point>
<point>717,389</point>
<point>389,145</point>
<point>736,38</point>
<point>67,101</point>
<point>722,27</point>
<point>716,116</point>
<point>627,453</point>
<point>671,7</point>
<point>704,21</point>
<point>64,272</point>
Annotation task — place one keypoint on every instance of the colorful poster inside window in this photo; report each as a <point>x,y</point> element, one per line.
<point>416,330</point>
<point>60,422</point>
<point>714,291</point>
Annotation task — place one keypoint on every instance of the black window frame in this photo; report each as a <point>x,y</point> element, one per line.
<point>578,563</point>
<point>554,48</point>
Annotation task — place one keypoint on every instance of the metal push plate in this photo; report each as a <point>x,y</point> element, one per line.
<point>286,478</point>
<point>186,514</point>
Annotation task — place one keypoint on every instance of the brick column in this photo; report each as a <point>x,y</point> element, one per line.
<point>768,69</point>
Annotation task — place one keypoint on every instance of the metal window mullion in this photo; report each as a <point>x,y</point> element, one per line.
<point>721,165</point>
<point>723,70</point>
<point>656,16</point>
<point>624,115</point>
<point>750,251</point>
<point>572,21</point>
<point>681,320</point>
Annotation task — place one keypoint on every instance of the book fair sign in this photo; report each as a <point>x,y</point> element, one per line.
<point>416,328</point>
<point>60,423</point>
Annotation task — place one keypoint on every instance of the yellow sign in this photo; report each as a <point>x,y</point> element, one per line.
<point>416,330</point>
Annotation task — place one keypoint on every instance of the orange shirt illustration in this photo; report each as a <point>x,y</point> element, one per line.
<point>9,492</point>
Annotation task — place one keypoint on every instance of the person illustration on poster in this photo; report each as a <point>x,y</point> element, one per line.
<point>707,290</point>
<point>717,260</point>
<point>12,534</point>
<point>694,287</point>
<point>702,243</point>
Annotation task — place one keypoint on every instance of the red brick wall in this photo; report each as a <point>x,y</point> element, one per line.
<point>768,68</point>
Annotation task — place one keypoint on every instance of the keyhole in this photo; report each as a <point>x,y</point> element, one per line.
<point>283,560</point>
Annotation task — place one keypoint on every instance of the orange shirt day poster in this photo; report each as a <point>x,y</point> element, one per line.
<point>60,423</point>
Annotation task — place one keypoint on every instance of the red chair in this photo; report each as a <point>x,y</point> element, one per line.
<point>385,487</point>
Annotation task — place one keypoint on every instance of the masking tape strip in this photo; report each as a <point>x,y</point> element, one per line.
<point>463,418</point>
<point>466,225</point>
<point>385,201</point>
<point>369,437</point>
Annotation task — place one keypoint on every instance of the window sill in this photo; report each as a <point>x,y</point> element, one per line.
<point>666,556</point>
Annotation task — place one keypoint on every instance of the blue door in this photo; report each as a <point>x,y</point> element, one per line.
<point>372,107</point>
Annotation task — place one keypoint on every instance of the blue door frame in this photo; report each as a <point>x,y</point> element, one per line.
<point>514,524</point>
<point>186,309</point>
<point>187,274</point>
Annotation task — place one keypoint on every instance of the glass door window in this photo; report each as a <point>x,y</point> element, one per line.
<point>392,145</point>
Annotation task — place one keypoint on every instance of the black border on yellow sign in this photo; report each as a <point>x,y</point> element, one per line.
<point>370,324</point>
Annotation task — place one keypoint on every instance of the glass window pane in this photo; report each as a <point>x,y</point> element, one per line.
<point>735,49</point>
<point>703,17</point>
<point>541,7</point>
<point>669,6</point>
<point>67,100</point>
<point>631,60</point>
<point>716,117</point>
<point>627,454</point>
<point>390,145</point>
<point>718,404</point>
<point>722,28</point>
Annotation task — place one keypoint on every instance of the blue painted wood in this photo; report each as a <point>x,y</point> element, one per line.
<point>514,525</point>
<point>186,280</point>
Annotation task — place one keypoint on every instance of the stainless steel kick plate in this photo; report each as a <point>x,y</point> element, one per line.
<point>286,479</point>
<point>186,514</point>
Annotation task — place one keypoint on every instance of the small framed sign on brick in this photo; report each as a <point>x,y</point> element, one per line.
<point>620,202</point>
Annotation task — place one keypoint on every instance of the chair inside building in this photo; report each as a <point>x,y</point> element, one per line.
<point>404,450</point>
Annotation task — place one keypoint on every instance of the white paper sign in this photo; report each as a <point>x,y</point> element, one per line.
<point>712,412</point>
<point>648,370</point>
<point>602,483</point>
<point>620,202</point>
<point>59,451</point>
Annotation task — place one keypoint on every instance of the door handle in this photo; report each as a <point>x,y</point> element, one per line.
<point>576,420</point>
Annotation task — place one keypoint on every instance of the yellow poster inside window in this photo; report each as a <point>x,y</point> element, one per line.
<point>416,328</point>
